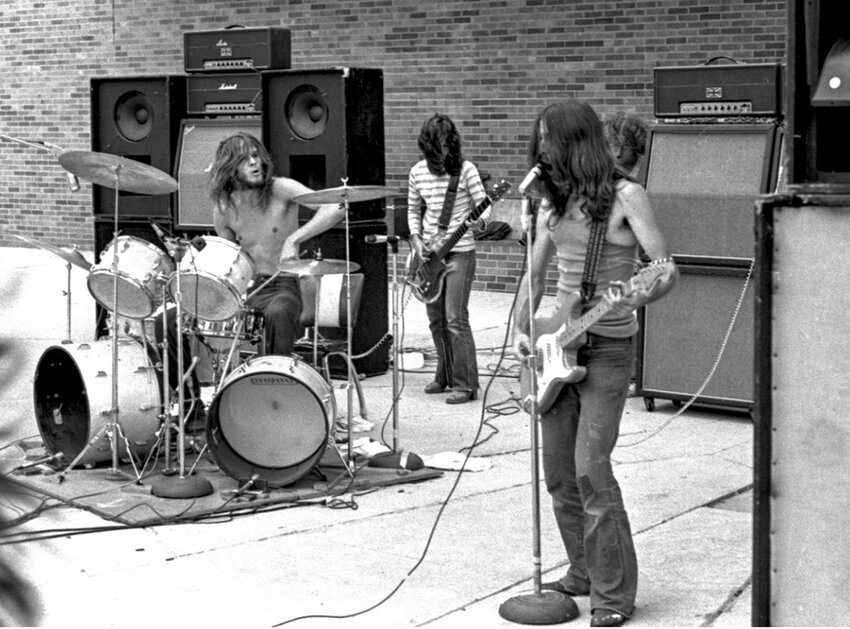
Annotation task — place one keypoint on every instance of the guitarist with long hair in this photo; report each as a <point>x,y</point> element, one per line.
<point>581,187</point>
<point>448,313</point>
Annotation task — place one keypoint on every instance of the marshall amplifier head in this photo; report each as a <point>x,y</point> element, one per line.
<point>718,90</point>
<point>235,49</point>
<point>225,93</point>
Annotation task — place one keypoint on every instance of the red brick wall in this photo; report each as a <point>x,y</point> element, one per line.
<point>490,64</point>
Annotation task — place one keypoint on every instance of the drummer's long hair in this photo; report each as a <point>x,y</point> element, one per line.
<point>225,169</point>
<point>438,132</point>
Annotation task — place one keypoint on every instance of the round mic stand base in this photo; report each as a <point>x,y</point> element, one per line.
<point>543,608</point>
<point>182,487</point>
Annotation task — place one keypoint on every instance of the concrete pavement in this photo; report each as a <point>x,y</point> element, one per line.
<point>440,553</point>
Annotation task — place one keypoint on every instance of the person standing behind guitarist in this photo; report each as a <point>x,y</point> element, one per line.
<point>581,187</point>
<point>448,314</point>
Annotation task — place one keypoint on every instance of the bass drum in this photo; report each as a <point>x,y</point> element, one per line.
<point>271,417</point>
<point>73,399</point>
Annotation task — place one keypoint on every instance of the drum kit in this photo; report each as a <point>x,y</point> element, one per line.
<point>271,418</point>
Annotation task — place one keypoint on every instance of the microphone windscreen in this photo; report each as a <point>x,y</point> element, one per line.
<point>397,461</point>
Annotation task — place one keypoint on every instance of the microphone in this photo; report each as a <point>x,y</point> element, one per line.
<point>530,178</point>
<point>73,181</point>
<point>376,239</point>
<point>397,461</point>
<point>199,243</point>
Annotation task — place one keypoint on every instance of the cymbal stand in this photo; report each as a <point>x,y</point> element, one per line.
<point>112,428</point>
<point>166,388</point>
<point>68,302</point>
<point>348,343</point>
<point>180,486</point>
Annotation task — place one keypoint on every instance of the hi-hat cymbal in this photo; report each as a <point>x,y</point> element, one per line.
<point>317,267</point>
<point>69,254</point>
<point>353,194</point>
<point>132,176</point>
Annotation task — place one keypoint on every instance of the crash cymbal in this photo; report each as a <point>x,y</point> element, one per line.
<point>316,266</point>
<point>353,194</point>
<point>69,254</point>
<point>133,176</point>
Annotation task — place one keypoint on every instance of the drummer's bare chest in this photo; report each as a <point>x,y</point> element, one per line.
<point>252,225</point>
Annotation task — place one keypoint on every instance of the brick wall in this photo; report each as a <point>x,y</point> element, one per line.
<point>490,64</point>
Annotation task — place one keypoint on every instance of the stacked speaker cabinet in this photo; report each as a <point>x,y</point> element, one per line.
<point>703,176</point>
<point>325,128</point>
<point>137,118</point>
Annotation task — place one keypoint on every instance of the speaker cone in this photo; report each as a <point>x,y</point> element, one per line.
<point>134,116</point>
<point>307,112</point>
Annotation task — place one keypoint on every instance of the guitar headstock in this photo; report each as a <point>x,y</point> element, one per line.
<point>646,279</point>
<point>497,190</point>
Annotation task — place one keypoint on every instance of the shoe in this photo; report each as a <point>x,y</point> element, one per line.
<point>557,586</point>
<point>434,387</point>
<point>459,397</point>
<point>606,618</point>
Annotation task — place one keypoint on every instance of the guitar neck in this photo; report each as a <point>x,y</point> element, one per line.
<point>576,327</point>
<point>451,241</point>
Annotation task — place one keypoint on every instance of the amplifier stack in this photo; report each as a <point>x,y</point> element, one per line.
<point>714,149</point>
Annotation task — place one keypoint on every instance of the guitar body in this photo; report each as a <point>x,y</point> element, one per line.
<point>556,364</point>
<point>427,280</point>
<point>560,336</point>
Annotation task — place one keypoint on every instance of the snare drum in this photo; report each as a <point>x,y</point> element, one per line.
<point>213,279</point>
<point>219,335</point>
<point>272,416</point>
<point>142,271</point>
<point>73,399</point>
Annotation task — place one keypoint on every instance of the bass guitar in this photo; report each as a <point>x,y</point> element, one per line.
<point>426,275</point>
<point>560,335</point>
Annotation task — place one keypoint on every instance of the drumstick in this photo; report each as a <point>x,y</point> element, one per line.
<point>263,285</point>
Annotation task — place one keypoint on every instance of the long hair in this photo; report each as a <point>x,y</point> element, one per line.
<point>225,169</point>
<point>577,163</point>
<point>439,142</point>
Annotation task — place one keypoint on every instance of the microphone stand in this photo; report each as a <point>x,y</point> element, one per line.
<point>550,607</point>
<point>180,486</point>
<point>396,348</point>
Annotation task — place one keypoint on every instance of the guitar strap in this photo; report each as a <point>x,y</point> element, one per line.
<point>448,205</point>
<point>591,260</point>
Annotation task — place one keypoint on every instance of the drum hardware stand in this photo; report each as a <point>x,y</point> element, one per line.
<point>180,486</point>
<point>550,607</point>
<point>112,428</point>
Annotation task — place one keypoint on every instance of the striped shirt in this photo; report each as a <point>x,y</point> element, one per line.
<point>422,185</point>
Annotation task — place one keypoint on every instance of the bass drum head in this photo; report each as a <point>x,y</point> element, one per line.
<point>270,419</point>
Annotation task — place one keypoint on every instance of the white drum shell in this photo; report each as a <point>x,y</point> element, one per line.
<point>213,279</point>
<point>73,399</point>
<point>142,271</point>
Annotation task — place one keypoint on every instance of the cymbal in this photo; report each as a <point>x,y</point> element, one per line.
<point>354,194</point>
<point>133,176</point>
<point>69,254</point>
<point>316,267</point>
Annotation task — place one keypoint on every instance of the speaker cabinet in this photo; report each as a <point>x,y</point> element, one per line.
<point>137,118</point>
<point>372,320</point>
<point>199,139</point>
<point>702,180</point>
<point>683,333</point>
<point>818,96</point>
<point>324,127</point>
<point>802,436</point>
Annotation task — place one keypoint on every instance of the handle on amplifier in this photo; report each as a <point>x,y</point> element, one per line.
<point>718,57</point>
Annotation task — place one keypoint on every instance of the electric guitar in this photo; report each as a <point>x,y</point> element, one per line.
<point>426,276</point>
<point>555,351</point>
